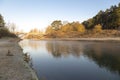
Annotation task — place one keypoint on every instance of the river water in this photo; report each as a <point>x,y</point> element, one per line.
<point>74,60</point>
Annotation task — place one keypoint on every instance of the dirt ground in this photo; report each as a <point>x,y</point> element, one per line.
<point>12,65</point>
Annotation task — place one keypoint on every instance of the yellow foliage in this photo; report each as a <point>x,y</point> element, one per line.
<point>81,28</point>
<point>75,26</point>
<point>97,28</point>
<point>35,30</point>
<point>49,30</point>
<point>67,28</point>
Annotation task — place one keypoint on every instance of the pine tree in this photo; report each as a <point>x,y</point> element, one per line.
<point>2,23</point>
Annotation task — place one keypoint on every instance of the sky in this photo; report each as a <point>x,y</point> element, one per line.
<point>29,14</point>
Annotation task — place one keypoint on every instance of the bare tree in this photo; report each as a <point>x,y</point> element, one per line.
<point>12,27</point>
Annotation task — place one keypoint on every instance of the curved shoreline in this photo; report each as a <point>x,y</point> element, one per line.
<point>13,66</point>
<point>33,73</point>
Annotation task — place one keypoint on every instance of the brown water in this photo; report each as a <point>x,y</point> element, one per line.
<point>74,60</point>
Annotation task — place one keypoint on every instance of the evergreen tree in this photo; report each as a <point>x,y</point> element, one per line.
<point>2,23</point>
<point>110,19</point>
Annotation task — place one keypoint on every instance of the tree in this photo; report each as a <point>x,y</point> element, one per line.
<point>35,30</point>
<point>89,24</point>
<point>110,19</point>
<point>78,27</point>
<point>119,5</point>
<point>67,28</point>
<point>81,28</point>
<point>49,30</point>
<point>56,25</point>
<point>2,23</point>
<point>12,27</point>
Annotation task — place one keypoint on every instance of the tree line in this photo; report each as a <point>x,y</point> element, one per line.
<point>58,25</point>
<point>59,29</point>
<point>104,20</point>
<point>104,23</point>
<point>109,19</point>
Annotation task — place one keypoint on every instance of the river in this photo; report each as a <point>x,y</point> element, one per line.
<point>74,60</point>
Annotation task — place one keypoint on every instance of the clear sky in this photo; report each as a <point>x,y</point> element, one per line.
<point>28,14</point>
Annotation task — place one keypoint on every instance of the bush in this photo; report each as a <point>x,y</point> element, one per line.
<point>81,28</point>
<point>4,32</point>
<point>97,28</point>
<point>67,28</point>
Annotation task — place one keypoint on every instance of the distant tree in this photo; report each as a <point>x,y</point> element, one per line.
<point>67,28</point>
<point>78,27</point>
<point>2,23</point>
<point>97,28</point>
<point>56,25</point>
<point>35,30</point>
<point>119,5</point>
<point>12,27</point>
<point>89,24</point>
<point>110,19</point>
<point>81,28</point>
<point>74,26</point>
<point>49,30</point>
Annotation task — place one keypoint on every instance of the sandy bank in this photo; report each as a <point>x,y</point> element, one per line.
<point>13,67</point>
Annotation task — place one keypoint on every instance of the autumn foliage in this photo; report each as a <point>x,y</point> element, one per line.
<point>64,29</point>
<point>77,30</point>
<point>97,28</point>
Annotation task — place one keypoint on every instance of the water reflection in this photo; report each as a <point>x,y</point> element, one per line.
<point>74,60</point>
<point>105,55</point>
<point>32,44</point>
<point>61,48</point>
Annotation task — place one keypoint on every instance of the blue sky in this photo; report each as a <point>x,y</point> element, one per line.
<point>28,14</point>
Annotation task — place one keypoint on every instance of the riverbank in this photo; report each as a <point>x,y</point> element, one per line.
<point>116,39</point>
<point>12,65</point>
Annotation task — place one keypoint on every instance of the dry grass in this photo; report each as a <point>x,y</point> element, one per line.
<point>87,34</point>
<point>76,34</point>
